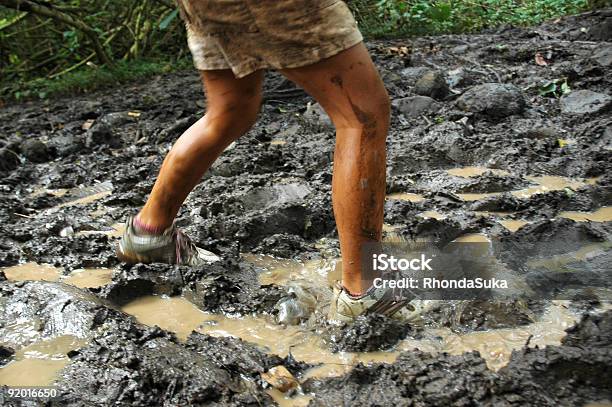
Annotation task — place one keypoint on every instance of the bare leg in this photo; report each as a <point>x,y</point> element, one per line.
<point>350,90</point>
<point>232,108</point>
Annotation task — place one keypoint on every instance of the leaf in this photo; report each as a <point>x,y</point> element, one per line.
<point>565,89</point>
<point>539,60</point>
<point>168,19</point>
<point>548,89</point>
<point>562,143</point>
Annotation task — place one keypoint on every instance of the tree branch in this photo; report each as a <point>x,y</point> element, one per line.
<point>30,6</point>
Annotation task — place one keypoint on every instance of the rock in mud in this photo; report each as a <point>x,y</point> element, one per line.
<point>9,159</point>
<point>367,333</point>
<point>493,99</point>
<point>52,309</point>
<point>35,151</point>
<point>5,354</point>
<point>585,102</point>
<point>101,134</point>
<point>432,84</point>
<point>603,55</point>
<point>284,245</point>
<point>415,106</point>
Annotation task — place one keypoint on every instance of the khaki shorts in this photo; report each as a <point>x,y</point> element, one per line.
<point>247,35</point>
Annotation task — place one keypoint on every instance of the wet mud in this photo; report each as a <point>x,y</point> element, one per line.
<point>477,152</point>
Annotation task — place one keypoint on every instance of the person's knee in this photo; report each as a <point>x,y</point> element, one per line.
<point>236,116</point>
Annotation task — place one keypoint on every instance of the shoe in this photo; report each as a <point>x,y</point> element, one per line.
<point>171,247</point>
<point>345,308</point>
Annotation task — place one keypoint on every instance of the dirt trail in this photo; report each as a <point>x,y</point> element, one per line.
<point>484,147</point>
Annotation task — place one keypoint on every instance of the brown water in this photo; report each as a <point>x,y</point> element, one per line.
<point>406,196</point>
<point>82,278</point>
<point>603,214</point>
<point>544,183</point>
<point>513,225</point>
<point>86,199</point>
<point>305,344</point>
<point>32,271</point>
<point>116,231</point>
<point>468,172</point>
<point>39,363</point>
<point>89,278</point>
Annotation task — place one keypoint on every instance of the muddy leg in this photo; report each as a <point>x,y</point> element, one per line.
<point>232,108</point>
<point>350,90</point>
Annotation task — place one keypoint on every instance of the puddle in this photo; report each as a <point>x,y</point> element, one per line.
<point>279,398</point>
<point>174,314</point>
<point>406,196</point>
<point>558,262</point>
<point>85,200</point>
<point>117,231</point>
<point>89,278</point>
<point>82,278</point>
<point>45,359</point>
<point>473,238</point>
<point>468,172</point>
<point>513,225</point>
<point>32,271</point>
<point>496,345</point>
<point>283,271</point>
<point>603,214</point>
<point>545,183</point>
<point>477,197</point>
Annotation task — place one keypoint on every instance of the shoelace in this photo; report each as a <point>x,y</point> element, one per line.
<point>183,245</point>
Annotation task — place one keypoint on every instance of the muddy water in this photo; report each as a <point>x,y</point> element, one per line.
<point>89,278</point>
<point>603,214</point>
<point>39,363</point>
<point>544,183</point>
<point>468,172</point>
<point>305,344</point>
<point>174,314</point>
<point>32,271</point>
<point>496,345</point>
<point>116,231</point>
<point>406,196</point>
<point>558,262</point>
<point>82,278</point>
<point>513,225</point>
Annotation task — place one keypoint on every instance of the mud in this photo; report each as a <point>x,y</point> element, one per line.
<point>475,153</point>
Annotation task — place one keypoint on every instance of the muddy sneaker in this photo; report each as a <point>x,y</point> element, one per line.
<point>172,247</point>
<point>345,308</point>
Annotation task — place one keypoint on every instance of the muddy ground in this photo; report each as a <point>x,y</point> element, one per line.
<point>71,168</point>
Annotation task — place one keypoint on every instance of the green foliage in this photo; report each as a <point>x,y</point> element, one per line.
<point>555,88</point>
<point>401,17</point>
<point>43,54</point>
<point>90,79</point>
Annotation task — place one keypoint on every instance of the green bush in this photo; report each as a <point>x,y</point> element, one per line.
<point>453,16</point>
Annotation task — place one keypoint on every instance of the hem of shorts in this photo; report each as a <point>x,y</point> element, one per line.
<point>204,66</point>
<point>324,52</point>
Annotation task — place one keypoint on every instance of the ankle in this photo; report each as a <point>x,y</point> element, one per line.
<point>146,228</point>
<point>356,293</point>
